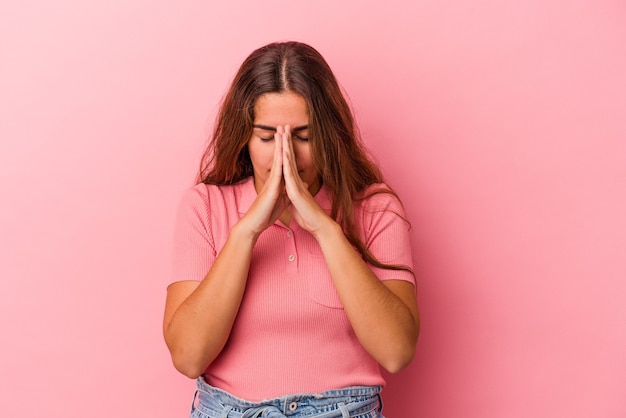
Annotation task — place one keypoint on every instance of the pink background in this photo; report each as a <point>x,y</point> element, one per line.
<point>500,123</point>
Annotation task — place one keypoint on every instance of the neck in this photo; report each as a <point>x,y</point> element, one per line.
<point>285,218</point>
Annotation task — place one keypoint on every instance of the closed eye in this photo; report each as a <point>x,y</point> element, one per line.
<point>298,137</point>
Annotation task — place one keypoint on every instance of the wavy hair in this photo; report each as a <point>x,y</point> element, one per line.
<point>337,152</point>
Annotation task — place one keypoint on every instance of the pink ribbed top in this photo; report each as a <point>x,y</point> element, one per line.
<point>291,334</point>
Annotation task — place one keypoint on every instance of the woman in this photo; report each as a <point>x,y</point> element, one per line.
<point>292,266</point>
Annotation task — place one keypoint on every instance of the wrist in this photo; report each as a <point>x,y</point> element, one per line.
<point>243,234</point>
<point>329,230</point>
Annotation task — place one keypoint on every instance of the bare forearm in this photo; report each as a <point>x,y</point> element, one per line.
<point>199,328</point>
<point>386,326</point>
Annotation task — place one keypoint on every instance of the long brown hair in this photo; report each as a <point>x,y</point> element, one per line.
<point>341,160</point>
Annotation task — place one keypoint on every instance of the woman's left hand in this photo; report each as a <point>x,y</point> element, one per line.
<point>384,316</point>
<point>304,209</point>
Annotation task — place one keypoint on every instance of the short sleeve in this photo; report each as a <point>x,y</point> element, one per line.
<point>386,235</point>
<point>193,250</point>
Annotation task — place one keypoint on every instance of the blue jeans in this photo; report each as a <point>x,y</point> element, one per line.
<point>356,401</point>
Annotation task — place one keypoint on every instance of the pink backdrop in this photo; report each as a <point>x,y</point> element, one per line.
<point>500,123</point>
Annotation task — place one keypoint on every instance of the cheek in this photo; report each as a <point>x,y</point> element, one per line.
<point>303,155</point>
<point>261,155</point>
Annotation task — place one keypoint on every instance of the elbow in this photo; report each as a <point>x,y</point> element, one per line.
<point>188,364</point>
<point>399,361</point>
<point>187,359</point>
<point>188,368</point>
<point>399,358</point>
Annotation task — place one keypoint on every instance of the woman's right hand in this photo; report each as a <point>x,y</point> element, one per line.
<point>199,316</point>
<point>271,200</point>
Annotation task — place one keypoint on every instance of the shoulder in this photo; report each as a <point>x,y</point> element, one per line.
<point>379,197</point>
<point>217,206</point>
<point>378,207</point>
<point>212,195</point>
<point>197,198</point>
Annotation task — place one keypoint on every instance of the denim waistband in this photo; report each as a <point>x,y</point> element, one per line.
<point>338,403</point>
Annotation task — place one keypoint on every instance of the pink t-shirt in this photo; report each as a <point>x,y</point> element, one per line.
<point>291,334</point>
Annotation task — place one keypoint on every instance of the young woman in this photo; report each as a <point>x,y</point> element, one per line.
<point>292,278</point>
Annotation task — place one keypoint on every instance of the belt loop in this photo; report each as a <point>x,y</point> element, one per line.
<point>344,410</point>
<point>225,412</point>
<point>193,401</point>
<point>380,402</point>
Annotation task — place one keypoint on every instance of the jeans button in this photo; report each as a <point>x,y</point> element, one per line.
<point>293,406</point>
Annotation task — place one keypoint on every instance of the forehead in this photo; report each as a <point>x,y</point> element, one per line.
<point>274,109</point>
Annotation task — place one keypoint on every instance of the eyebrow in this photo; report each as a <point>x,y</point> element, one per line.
<point>271,128</point>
